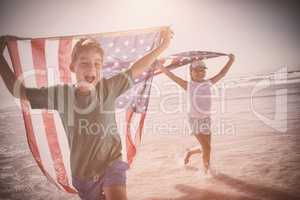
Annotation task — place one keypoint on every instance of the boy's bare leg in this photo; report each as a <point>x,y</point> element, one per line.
<point>115,193</point>
<point>205,141</point>
<point>190,152</point>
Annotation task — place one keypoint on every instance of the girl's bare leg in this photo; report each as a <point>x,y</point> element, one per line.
<point>205,141</point>
<point>190,152</point>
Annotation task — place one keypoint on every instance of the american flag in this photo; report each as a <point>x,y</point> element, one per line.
<point>180,59</point>
<point>43,62</point>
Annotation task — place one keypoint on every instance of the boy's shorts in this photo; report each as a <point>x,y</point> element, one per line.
<point>200,125</point>
<point>114,175</point>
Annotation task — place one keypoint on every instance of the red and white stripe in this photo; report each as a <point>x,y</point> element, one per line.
<point>37,61</point>
<point>133,133</point>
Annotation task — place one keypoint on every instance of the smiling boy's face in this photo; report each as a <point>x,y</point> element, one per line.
<point>87,60</point>
<point>87,67</point>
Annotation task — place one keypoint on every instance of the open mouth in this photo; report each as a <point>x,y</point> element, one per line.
<point>90,79</point>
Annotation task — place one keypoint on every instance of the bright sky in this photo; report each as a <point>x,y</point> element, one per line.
<point>262,34</point>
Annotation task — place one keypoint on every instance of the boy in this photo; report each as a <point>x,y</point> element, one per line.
<point>199,92</point>
<point>95,155</point>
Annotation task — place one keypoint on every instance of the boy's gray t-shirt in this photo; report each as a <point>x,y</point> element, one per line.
<point>89,122</point>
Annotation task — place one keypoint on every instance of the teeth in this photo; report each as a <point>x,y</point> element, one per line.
<point>89,79</point>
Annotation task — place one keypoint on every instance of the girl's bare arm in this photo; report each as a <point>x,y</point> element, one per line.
<point>182,83</point>
<point>224,71</point>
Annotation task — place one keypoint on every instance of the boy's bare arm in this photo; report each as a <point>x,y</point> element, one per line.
<point>224,71</point>
<point>145,62</point>
<point>182,83</point>
<point>6,73</point>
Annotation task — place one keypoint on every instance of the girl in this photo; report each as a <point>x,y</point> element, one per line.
<point>199,93</point>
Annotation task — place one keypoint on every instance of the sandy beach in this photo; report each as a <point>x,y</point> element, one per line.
<point>252,160</point>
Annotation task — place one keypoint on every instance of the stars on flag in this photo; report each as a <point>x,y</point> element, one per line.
<point>120,55</point>
<point>126,43</point>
